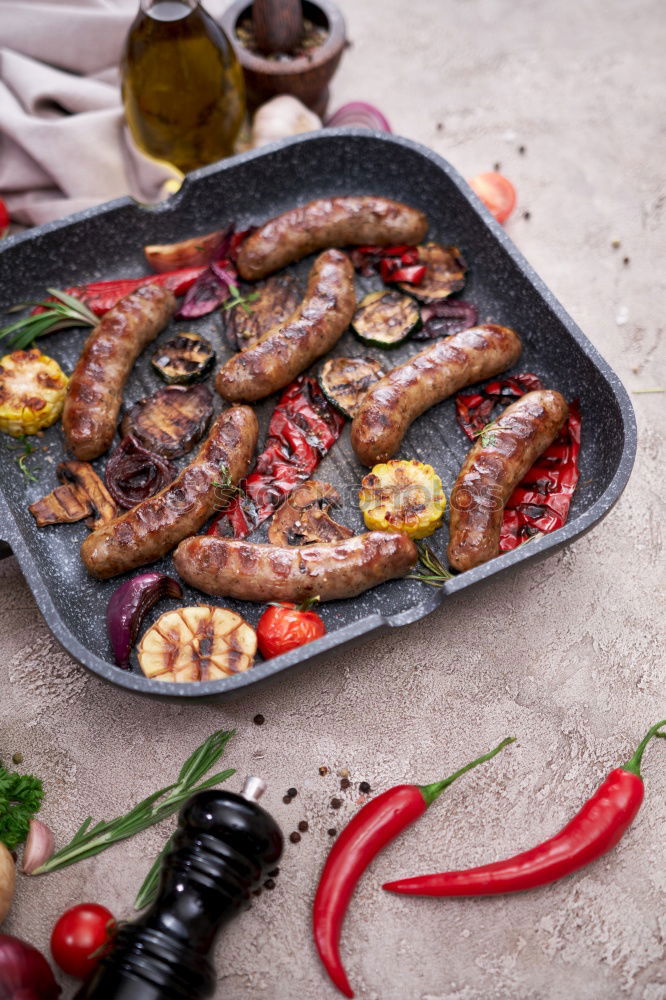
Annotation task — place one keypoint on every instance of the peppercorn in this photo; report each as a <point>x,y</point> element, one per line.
<point>294,837</point>
<point>522,150</point>
<point>345,783</point>
<point>364,787</point>
<point>303,825</point>
<point>269,883</point>
<point>615,244</point>
<point>527,215</point>
<point>292,793</point>
<point>286,799</point>
<point>497,167</point>
<point>336,803</point>
<point>18,758</point>
<point>323,770</point>
<point>256,892</point>
<point>625,261</point>
<point>259,719</point>
<point>331,831</point>
<point>274,872</point>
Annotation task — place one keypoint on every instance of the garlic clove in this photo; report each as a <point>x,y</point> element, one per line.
<point>281,117</point>
<point>39,846</point>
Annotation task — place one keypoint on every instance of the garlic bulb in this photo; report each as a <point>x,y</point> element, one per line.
<point>281,117</point>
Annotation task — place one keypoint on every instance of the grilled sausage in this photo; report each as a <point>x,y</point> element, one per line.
<point>430,376</point>
<point>290,347</point>
<point>495,465</point>
<point>330,570</point>
<point>329,222</point>
<point>95,389</point>
<point>149,530</point>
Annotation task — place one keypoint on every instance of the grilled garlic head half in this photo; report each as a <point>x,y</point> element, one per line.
<point>201,643</point>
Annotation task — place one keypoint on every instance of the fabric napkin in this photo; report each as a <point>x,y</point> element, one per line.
<point>64,145</point>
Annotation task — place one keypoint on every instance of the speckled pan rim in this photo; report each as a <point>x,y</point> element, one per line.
<point>365,627</point>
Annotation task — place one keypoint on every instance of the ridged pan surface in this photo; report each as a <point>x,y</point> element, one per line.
<point>106,242</point>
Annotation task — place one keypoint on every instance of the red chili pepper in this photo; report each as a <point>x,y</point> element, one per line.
<point>368,832</point>
<point>303,428</point>
<point>592,832</point>
<point>100,296</point>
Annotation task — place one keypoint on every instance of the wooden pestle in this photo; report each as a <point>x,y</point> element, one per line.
<point>278,24</point>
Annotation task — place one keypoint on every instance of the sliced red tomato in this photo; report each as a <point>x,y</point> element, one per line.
<point>78,937</point>
<point>496,192</point>
<point>4,219</point>
<point>286,626</point>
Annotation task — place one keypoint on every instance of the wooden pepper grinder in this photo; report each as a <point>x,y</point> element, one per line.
<point>223,847</point>
<point>278,24</point>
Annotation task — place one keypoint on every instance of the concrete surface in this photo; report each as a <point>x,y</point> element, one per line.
<point>567,655</point>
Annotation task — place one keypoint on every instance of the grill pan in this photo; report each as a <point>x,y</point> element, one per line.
<point>106,242</point>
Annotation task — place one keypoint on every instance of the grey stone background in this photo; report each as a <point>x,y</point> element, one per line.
<point>567,655</point>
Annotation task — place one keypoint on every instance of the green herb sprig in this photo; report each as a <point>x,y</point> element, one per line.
<point>27,448</point>
<point>88,841</point>
<point>63,311</point>
<point>485,433</point>
<point>240,300</point>
<point>435,572</point>
<point>20,798</point>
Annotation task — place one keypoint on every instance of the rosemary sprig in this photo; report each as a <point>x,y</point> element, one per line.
<point>436,574</point>
<point>149,887</point>
<point>240,300</point>
<point>88,841</point>
<point>22,459</point>
<point>224,483</point>
<point>65,311</point>
<point>487,438</point>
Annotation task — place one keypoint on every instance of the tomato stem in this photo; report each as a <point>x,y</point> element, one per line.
<point>634,764</point>
<point>431,792</point>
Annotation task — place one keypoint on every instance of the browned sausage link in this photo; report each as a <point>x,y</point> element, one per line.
<point>95,389</point>
<point>329,222</point>
<point>330,570</point>
<point>290,347</point>
<point>429,377</point>
<point>493,468</point>
<point>149,530</point>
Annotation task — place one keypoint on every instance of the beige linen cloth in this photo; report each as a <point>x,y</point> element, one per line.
<point>64,144</point>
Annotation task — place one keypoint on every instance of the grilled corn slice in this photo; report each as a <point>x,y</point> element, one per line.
<point>32,392</point>
<point>402,496</point>
<point>201,643</point>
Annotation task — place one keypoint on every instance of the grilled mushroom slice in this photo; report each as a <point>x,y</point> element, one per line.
<point>171,421</point>
<point>201,643</point>
<point>445,273</point>
<point>82,494</point>
<point>278,298</point>
<point>304,519</point>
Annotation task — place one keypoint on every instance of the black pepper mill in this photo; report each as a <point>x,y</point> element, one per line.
<point>223,847</point>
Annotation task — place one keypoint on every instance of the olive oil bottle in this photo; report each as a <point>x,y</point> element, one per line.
<point>182,84</point>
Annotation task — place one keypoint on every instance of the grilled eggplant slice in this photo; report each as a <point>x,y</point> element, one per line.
<point>202,643</point>
<point>445,273</point>
<point>171,421</point>
<point>82,494</point>
<point>386,319</point>
<point>183,359</point>
<point>304,519</point>
<point>279,297</point>
<point>345,381</point>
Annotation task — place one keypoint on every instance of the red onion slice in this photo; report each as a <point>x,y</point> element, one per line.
<point>128,606</point>
<point>359,114</point>
<point>133,473</point>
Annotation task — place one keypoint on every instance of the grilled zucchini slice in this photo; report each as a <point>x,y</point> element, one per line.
<point>402,496</point>
<point>32,392</point>
<point>201,643</point>
<point>386,319</point>
<point>171,421</point>
<point>279,297</point>
<point>445,273</point>
<point>345,381</point>
<point>183,359</point>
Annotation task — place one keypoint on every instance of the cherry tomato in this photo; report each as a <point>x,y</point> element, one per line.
<point>78,934</point>
<point>496,192</point>
<point>287,626</point>
<point>4,219</point>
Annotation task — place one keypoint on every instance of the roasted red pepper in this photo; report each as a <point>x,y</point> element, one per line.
<point>370,830</point>
<point>303,428</point>
<point>100,296</point>
<point>592,832</point>
<point>396,263</point>
<point>540,503</point>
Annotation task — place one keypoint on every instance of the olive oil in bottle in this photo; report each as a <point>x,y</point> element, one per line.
<point>182,84</point>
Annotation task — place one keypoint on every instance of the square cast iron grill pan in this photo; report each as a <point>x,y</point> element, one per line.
<point>106,242</point>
